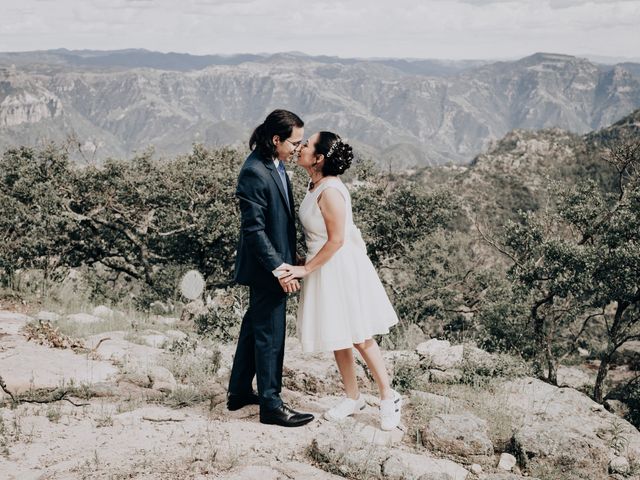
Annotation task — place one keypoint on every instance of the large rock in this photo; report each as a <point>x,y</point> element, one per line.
<point>440,354</point>
<point>574,377</point>
<point>27,365</point>
<point>113,346</point>
<point>103,311</point>
<point>310,373</point>
<point>337,449</point>
<point>453,375</point>
<point>162,379</point>
<point>153,338</point>
<point>619,465</point>
<point>564,426</point>
<point>507,462</point>
<point>438,403</point>
<point>463,434</point>
<point>402,465</point>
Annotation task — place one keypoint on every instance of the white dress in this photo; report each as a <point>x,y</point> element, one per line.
<point>343,302</point>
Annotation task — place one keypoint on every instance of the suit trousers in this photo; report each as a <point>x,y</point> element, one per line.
<point>260,349</point>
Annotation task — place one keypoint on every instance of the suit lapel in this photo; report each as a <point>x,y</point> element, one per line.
<point>276,178</point>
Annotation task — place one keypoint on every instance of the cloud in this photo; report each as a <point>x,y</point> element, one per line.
<point>551,3</point>
<point>431,28</point>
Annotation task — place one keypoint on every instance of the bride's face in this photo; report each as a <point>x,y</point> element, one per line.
<point>307,156</point>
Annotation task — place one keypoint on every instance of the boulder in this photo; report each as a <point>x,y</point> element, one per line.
<point>440,354</point>
<point>574,377</point>
<point>339,450</point>
<point>463,434</point>
<point>113,346</point>
<point>619,465</point>
<point>564,426</point>
<point>139,379</point>
<point>438,403</point>
<point>507,462</point>
<point>162,379</point>
<point>401,465</point>
<point>26,365</point>
<point>153,339</point>
<point>103,311</point>
<point>310,373</point>
<point>376,436</point>
<point>477,357</point>
<point>450,376</point>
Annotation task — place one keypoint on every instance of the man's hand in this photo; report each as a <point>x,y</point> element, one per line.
<point>290,286</point>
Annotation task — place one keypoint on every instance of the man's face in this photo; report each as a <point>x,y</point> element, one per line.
<point>285,149</point>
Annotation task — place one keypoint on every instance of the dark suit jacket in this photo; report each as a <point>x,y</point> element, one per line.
<point>268,230</point>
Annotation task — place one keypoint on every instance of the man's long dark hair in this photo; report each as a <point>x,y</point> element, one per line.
<point>278,122</point>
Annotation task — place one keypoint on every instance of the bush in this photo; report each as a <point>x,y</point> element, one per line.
<point>223,320</point>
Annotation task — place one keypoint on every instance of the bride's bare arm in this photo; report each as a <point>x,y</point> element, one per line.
<point>333,208</point>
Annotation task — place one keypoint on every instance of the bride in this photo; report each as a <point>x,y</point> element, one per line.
<point>343,303</point>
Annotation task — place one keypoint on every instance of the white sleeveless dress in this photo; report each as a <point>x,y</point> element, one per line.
<point>343,302</point>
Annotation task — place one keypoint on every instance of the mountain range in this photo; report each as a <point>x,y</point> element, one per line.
<point>401,112</point>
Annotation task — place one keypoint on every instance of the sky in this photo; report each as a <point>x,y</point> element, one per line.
<point>451,29</point>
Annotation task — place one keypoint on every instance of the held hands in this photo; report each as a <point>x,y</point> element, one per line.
<point>288,284</point>
<point>291,273</point>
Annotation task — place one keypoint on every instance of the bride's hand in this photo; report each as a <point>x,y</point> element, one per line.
<point>291,272</point>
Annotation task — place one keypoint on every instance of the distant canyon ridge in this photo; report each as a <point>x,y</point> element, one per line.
<point>400,112</point>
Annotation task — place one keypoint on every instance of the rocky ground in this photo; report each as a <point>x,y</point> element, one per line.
<point>145,400</point>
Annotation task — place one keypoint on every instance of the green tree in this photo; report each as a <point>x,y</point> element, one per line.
<point>145,218</point>
<point>34,230</point>
<point>580,261</point>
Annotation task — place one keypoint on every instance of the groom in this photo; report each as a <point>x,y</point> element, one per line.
<point>267,244</point>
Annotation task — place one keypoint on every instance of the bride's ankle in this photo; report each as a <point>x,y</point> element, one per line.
<point>386,394</point>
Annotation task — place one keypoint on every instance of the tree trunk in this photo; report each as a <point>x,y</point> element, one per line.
<point>614,343</point>
<point>552,365</point>
<point>602,375</point>
<point>539,337</point>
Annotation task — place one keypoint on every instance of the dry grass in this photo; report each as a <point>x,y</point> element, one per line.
<point>12,431</point>
<point>489,403</point>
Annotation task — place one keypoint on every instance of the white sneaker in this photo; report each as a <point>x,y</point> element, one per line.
<point>390,412</point>
<point>346,407</point>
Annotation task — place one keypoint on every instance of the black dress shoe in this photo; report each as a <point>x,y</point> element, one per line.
<point>235,401</point>
<point>285,417</point>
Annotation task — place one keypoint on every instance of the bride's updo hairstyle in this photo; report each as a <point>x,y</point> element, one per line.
<point>338,155</point>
